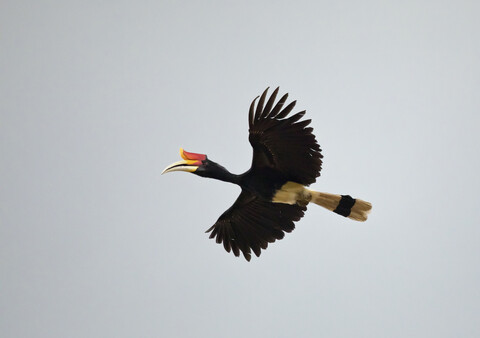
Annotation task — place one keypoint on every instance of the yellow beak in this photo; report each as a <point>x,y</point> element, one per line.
<point>185,165</point>
<point>190,163</point>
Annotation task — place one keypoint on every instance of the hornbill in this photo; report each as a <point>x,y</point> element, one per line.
<point>286,160</point>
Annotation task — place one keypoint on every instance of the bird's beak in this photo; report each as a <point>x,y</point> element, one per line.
<point>190,163</point>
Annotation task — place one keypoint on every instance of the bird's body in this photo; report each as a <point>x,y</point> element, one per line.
<point>263,182</point>
<point>286,159</point>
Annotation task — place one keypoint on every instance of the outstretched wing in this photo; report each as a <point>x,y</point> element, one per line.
<point>251,223</point>
<point>283,143</point>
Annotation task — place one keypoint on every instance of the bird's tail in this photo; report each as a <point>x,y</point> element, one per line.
<point>344,205</point>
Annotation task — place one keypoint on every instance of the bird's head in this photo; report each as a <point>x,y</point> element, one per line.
<point>198,164</point>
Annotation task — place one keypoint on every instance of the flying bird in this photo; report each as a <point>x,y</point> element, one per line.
<point>286,160</point>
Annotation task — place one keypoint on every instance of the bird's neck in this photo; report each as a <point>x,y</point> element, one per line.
<point>226,176</point>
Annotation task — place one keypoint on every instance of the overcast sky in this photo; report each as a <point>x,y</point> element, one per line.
<point>97,97</point>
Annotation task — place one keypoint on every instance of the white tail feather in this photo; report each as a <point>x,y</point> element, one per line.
<point>358,212</point>
<point>295,193</point>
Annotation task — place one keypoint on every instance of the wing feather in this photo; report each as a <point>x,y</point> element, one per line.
<point>270,101</point>
<point>260,105</point>
<point>251,223</point>
<point>283,142</point>
<point>286,110</point>
<point>278,106</point>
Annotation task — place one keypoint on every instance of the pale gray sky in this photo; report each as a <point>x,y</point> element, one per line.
<point>96,98</point>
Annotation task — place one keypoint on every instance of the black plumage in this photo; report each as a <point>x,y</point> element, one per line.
<point>286,159</point>
<point>284,149</point>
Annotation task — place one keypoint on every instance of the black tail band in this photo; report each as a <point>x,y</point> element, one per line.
<point>345,205</point>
